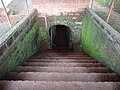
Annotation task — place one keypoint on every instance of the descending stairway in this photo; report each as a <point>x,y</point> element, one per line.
<point>61,70</point>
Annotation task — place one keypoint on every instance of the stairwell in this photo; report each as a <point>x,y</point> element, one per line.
<point>61,70</point>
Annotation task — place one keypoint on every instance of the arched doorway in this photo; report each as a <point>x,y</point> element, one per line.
<point>60,36</point>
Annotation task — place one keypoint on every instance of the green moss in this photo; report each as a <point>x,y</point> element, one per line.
<point>96,43</point>
<point>25,49</point>
<point>43,36</point>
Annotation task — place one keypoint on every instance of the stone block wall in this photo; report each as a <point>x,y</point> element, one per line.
<point>75,25</point>
<point>20,43</point>
<point>100,40</point>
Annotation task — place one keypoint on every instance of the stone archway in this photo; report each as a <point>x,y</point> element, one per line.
<point>60,36</point>
<point>74,26</point>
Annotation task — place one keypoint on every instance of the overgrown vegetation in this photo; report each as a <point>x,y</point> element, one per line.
<point>113,21</point>
<point>104,2</point>
<point>96,43</point>
<point>117,6</point>
<point>25,48</point>
<point>43,36</point>
<point>107,3</point>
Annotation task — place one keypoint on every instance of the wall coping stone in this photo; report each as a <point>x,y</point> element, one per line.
<point>21,28</point>
<point>15,28</point>
<point>109,30</point>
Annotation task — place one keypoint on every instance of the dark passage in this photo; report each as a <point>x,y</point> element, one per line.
<point>60,36</point>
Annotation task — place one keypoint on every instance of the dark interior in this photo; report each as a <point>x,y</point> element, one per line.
<point>59,35</point>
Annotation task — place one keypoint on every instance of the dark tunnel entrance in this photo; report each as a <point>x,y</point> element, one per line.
<point>60,36</point>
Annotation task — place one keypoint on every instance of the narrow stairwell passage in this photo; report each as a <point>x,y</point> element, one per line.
<point>61,70</point>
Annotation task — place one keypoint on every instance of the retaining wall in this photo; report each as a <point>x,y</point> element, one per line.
<point>100,40</point>
<point>20,43</point>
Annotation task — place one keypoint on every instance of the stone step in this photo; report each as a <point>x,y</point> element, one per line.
<point>63,52</point>
<point>62,55</point>
<point>87,57</point>
<point>62,60</point>
<point>52,64</point>
<point>38,57</point>
<point>45,76</point>
<point>63,69</point>
<point>61,85</point>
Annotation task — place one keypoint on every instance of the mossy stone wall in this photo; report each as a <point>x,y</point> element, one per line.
<point>22,48</point>
<point>100,41</point>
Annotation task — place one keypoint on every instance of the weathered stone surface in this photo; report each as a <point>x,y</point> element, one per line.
<point>69,74</point>
<point>62,85</point>
<point>20,43</point>
<point>100,40</point>
<point>74,25</point>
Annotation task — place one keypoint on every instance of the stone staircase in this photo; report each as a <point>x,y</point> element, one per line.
<point>61,70</point>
